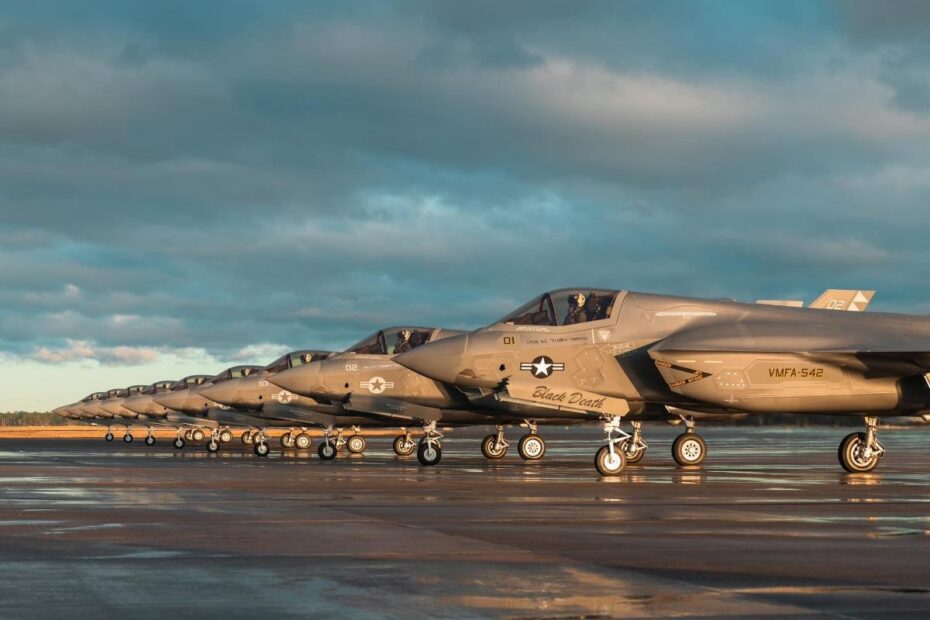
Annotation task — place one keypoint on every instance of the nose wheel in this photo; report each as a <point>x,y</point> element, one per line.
<point>127,437</point>
<point>327,450</point>
<point>861,452</point>
<point>609,460</point>
<point>108,436</point>
<point>429,452</point>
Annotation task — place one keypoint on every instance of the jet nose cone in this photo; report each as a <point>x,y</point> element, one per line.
<point>439,360</point>
<point>173,400</point>
<point>136,404</point>
<point>113,407</point>
<point>298,380</point>
<point>223,393</point>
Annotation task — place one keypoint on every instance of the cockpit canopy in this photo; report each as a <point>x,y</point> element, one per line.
<point>392,340</point>
<point>117,393</point>
<point>236,372</point>
<point>158,386</point>
<point>296,358</point>
<point>188,382</point>
<point>95,396</point>
<point>136,389</point>
<point>568,306</point>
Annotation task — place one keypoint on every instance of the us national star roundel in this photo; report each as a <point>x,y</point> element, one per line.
<point>377,385</point>
<point>542,366</point>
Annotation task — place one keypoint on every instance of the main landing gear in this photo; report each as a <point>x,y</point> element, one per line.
<point>494,447</point>
<point>404,445</point>
<point>862,452</point>
<point>429,451</point>
<point>356,443</point>
<point>610,460</point>
<point>689,448</point>
<point>531,447</point>
<point>296,438</point>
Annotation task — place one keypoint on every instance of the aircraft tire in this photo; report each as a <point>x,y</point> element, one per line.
<point>226,436</point>
<point>631,459</point>
<point>246,438</point>
<point>689,450</point>
<point>108,437</point>
<point>197,435</point>
<point>429,456</point>
<point>489,450</point>
<point>178,443</point>
<point>212,446</point>
<point>149,440</point>
<point>287,440</point>
<point>356,444</point>
<point>608,464</point>
<point>849,458</point>
<point>532,447</point>
<point>327,451</point>
<point>261,448</point>
<point>402,448</point>
<point>127,438</point>
<point>303,441</point>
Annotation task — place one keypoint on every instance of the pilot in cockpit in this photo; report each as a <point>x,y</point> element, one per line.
<point>576,310</point>
<point>403,342</point>
<point>306,358</point>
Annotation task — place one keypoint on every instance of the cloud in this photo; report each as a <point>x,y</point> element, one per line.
<point>79,350</point>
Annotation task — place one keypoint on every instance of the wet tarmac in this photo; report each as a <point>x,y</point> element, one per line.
<point>770,527</point>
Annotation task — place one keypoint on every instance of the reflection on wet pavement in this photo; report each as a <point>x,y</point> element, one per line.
<point>770,526</point>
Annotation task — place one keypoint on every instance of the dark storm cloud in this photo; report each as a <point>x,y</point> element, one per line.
<point>237,176</point>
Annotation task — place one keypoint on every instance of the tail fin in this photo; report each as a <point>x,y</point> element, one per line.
<point>840,299</point>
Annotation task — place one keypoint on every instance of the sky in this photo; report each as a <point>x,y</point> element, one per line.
<point>189,185</point>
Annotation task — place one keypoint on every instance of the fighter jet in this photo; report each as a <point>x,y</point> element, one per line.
<point>365,381</point>
<point>189,400</point>
<point>614,355</point>
<point>255,394</point>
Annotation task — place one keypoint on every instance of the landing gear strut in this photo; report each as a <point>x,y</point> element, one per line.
<point>150,438</point>
<point>179,441</point>
<point>260,447</point>
<point>329,446</point>
<point>634,448</point>
<point>109,435</point>
<point>404,445</point>
<point>429,452</point>
<point>689,448</point>
<point>610,460</point>
<point>128,436</point>
<point>532,447</point>
<point>495,446</point>
<point>861,452</point>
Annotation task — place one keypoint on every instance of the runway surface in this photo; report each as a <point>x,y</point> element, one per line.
<point>771,526</point>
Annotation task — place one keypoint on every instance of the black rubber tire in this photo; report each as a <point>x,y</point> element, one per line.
<point>631,460</point>
<point>689,450</point>
<point>326,450</point>
<point>212,446</point>
<point>149,440</point>
<point>246,438</point>
<point>197,436</point>
<point>226,436</point>
<point>401,448</point>
<point>607,466</point>
<point>429,456</point>
<point>303,441</point>
<point>488,451</point>
<point>287,440</point>
<point>178,443</point>
<point>356,444</point>
<point>532,447</point>
<point>127,438</point>
<point>261,449</point>
<point>847,455</point>
<point>108,437</point>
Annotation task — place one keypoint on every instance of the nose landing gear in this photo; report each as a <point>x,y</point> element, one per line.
<point>861,452</point>
<point>610,460</point>
<point>150,438</point>
<point>429,452</point>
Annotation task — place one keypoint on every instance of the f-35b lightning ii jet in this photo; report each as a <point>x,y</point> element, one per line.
<point>614,355</point>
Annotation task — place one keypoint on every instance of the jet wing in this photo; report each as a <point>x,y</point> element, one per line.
<point>392,409</point>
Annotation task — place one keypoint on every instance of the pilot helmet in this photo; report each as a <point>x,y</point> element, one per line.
<point>405,335</point>
<point>578,299</point>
